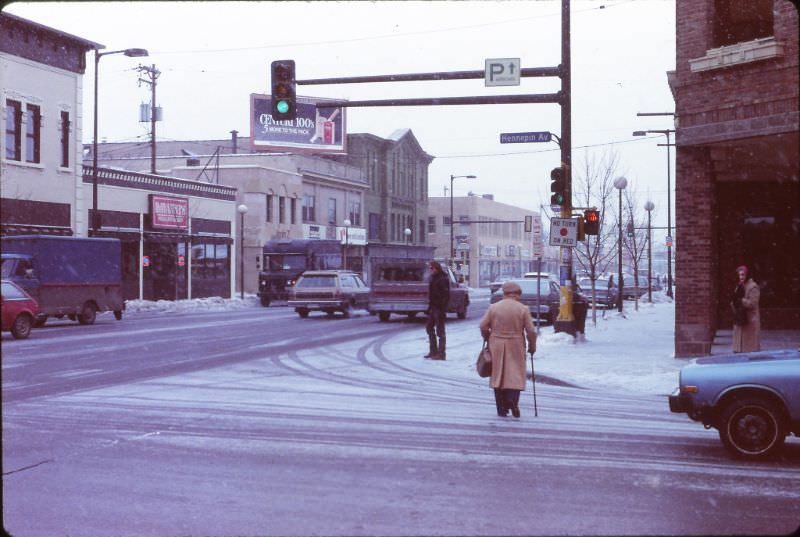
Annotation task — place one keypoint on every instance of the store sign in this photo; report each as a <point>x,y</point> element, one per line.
<point>168,212</point>
<point>352,235</point>
<point>317,130</point>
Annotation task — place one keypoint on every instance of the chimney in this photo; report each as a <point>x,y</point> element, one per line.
<point>235,141</point>
<point>488,197</point>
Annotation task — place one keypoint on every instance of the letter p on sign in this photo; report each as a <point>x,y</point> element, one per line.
<point>502,72</point>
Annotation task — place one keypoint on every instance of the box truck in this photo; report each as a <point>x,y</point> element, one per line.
<point>75,277</point>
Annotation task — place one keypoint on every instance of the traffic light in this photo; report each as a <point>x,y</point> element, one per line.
<point>558,187</point>
<point>284,96</point>
<point>591,221</point>
<point>630,229</point>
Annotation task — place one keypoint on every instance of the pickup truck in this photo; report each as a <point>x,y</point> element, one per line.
<point>402,288</point>
<point>72,276</point>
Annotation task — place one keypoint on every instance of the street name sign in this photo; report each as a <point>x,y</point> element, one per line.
<point>524,137</point>
<point>502,72</point>
<point>563,232</point>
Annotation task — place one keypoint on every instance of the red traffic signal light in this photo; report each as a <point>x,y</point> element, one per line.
<point>558,186</point>
<point>591,221</point>
<point>284,96</point>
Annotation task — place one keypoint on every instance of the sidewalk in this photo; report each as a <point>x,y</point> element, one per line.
<point>770,339</point>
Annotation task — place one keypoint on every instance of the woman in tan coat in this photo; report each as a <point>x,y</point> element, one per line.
<point>746,320</point>
<point>505,325</point>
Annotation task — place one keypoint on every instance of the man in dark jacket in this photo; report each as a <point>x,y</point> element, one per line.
<point>438,297</point>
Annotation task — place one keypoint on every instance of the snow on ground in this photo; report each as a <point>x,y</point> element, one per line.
<point>630,352</point>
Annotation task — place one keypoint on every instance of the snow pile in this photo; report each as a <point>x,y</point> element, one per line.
<point>213,303</point>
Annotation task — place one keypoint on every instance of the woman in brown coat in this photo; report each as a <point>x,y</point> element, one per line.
<point>746,320</point>
<point>505,325</point>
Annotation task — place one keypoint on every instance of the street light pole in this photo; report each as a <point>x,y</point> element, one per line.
<point>347,225</point>
<point>407,233</point>
<point>620,183</point>
<point>131,53</point>
<point>452,247</point>
<point>242,211</point>
<point>665,132</point>
<point>649,206</point>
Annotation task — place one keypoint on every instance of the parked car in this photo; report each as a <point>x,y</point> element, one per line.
<point>752,399</point>
<point>19,310</point>
<point>329,291</point>
<point>401,287</point>
<point>605,291</point>
<point>549,297</point>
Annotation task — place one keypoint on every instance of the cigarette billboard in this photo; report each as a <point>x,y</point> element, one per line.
<point>314,130</point>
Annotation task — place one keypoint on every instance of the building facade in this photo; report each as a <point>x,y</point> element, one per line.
<point>176,234</point>
<point>496,247</point>
<point>736,92</point>
<point>41,70</point>
<point>396,169</point>
<point>287,195</point>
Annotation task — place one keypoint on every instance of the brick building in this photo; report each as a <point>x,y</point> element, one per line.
<point>737,180</point>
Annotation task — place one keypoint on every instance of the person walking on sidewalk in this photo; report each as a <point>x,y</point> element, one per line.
<point>746,319</point>
<point>506,325</point>
<point>438,298</point>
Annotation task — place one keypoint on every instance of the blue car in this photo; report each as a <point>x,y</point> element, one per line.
<point>752,399</point>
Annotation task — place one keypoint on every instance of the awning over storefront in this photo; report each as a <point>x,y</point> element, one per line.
<point>29,229</point>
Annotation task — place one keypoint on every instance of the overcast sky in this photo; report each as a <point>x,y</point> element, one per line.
<point>213,55</point>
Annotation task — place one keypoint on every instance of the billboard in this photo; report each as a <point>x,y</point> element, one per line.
<point>314,130</point>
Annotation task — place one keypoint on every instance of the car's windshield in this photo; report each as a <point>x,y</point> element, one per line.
<point>317,281</point>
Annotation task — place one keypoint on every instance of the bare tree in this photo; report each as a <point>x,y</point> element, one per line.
<point>635,242</point>
<point>592,186</point>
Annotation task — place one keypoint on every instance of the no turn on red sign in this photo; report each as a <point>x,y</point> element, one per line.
<point>563,232</point>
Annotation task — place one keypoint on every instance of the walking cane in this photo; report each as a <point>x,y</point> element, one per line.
<point>533,382</point>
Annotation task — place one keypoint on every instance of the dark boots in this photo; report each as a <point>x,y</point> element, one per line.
<point>434,350</point>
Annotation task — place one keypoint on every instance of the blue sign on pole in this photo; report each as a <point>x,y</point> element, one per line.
<point>524,137</point>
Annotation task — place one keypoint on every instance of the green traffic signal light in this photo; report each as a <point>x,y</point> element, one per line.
<point>284,97</point>
<point>558,186</point>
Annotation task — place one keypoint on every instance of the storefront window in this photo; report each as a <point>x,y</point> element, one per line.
<point>211,270</point>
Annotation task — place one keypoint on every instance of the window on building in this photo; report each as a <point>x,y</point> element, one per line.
<point>374,226</point>
<point>33,135</point>
<point>431,224</point>
<point>737,21</point>
<point>282,209</point>
<point>270,201</point>
<point>293,211</point>
<point>332,211</point>
<point>309,214</point>
<point>355,212</point>
<point>13,130</point>
<point>65,126</point>
<point>421,231</point>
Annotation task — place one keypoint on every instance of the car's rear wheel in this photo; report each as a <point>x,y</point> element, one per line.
<point>21,328</point>
<point>752,428</point>
<point>383,316</point>
<point>264,301</point>
<point>347,310</point>
<point>118,315</point>
<point>88,314</point>
<point>302,312</point>
<point>462,313</point>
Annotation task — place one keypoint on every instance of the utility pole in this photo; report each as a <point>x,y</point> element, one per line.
<point>152,73</point>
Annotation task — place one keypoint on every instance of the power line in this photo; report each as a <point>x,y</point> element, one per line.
<point>638,139</point>
<point>389,36</point>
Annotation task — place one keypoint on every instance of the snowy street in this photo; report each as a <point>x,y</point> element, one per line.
<point>231,419</point>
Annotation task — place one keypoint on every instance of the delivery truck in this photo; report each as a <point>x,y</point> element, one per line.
<point>76,277</point>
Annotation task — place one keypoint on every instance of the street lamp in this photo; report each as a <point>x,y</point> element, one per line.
<point>620,183</point>
<point>346,225</point>
<point>452,247</point>
<point>665,132</point>
<point>649,206</point>
<point>242,209</point>
<point>407,233</point>
<point>131,53</point>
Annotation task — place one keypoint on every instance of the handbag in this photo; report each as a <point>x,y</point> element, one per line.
<point>484,363</point>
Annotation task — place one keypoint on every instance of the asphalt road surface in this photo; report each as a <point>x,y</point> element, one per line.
<point>254,422</point>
